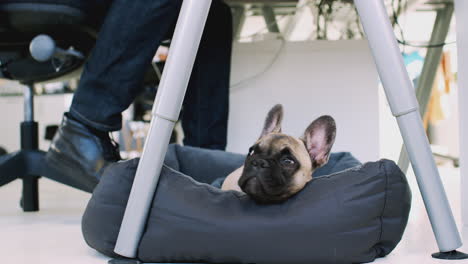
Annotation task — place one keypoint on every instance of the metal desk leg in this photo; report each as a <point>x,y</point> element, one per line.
<point>166,110</point>
<point>238,20</point>
<point>404,106</point>
<point>270,19</point>
<point>431,64</point>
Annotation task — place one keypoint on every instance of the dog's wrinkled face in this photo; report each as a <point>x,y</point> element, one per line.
<point>278,165</point>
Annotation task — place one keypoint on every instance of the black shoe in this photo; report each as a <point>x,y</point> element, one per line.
<point>81,153</point>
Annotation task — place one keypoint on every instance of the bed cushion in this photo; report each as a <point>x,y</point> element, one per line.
<point>351,216</point>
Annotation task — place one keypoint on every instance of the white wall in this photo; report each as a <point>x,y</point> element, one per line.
<point>310,79</point>
<point>390,137</point>
<point>11,110</point>
<point>48,111</point>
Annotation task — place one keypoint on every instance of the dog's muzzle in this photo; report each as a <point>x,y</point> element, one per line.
<point>263,181</point>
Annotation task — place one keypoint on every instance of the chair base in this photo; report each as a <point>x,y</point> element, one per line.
<point>29,166</point>
<point>29,163</point>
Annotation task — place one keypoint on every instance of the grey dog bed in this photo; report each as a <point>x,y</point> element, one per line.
<point>351,216</point>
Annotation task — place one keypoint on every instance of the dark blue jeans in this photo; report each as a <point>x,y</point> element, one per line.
<point>127,42</point>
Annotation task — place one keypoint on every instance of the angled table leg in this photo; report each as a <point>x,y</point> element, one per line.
<point>401,97</point>
<point>168,103</point>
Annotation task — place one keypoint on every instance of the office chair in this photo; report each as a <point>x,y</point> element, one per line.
<point>42,40</point>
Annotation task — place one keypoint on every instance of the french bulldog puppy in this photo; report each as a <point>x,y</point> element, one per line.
<point>278,165</point>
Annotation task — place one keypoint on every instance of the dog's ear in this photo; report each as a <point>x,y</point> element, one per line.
<point>273,120</point>
<point>319,138</point>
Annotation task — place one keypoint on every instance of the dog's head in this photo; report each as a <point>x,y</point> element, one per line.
<point>279,165</point>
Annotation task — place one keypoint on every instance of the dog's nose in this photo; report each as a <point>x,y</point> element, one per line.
<point>262,163</point>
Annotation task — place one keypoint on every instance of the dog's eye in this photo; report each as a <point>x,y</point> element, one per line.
<point>287,161</point>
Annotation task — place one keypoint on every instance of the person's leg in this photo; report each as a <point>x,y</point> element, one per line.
<point>111,79</point>
<point>113,75</point>
<point>206,105</point>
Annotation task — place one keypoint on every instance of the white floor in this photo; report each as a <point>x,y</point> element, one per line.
<point>53,234</point>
